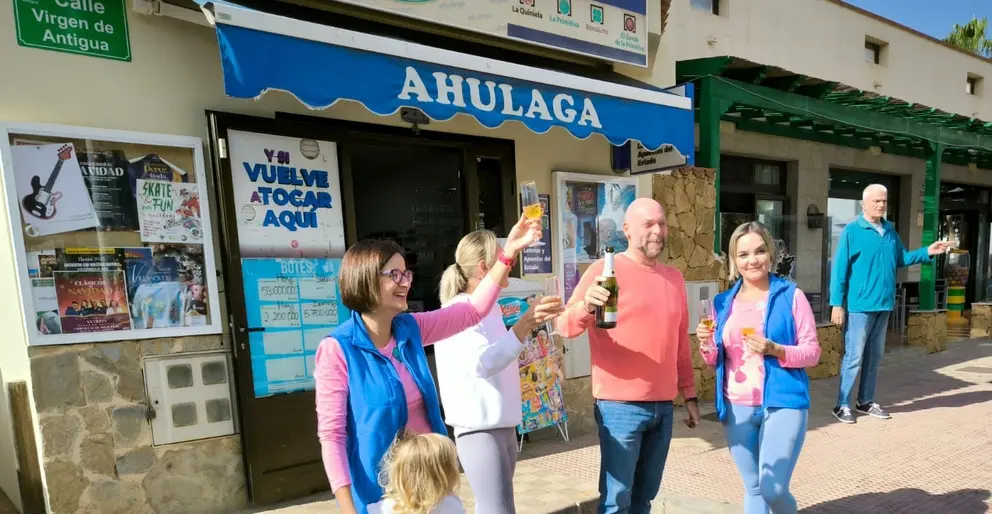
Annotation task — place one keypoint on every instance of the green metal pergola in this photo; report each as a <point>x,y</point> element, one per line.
<point>770,100</point>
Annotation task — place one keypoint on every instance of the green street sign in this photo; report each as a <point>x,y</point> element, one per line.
<point>97,28</point>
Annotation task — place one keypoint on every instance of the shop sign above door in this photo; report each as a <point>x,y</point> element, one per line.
<point>97,28</point>
<point>615,30</point>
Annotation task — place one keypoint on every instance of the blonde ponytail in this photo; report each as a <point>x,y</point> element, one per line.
<point>475,248</point>
<point>453,282</point>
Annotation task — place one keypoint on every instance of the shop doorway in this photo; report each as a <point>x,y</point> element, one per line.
<point>964,217</point>
<point>755,190</point>
<point>423,190</point>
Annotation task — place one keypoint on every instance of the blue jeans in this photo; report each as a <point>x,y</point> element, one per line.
<point>864,346</point>
<point>633,444</point>
<point>765,446</point>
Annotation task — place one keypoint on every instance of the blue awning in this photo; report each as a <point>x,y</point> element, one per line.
<point>322,65</point>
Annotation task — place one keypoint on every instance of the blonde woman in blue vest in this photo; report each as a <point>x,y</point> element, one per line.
<point>763,339</point>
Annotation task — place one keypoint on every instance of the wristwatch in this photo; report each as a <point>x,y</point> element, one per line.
<point>693,399</point>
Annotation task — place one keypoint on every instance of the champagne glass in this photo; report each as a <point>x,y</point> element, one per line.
<point>707,318</point>
<point>531,203</point>
<point>745,333</point>
<point>552,287</point>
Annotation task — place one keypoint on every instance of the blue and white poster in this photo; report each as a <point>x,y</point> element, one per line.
<point>291,304</point>
<point>287,194</point>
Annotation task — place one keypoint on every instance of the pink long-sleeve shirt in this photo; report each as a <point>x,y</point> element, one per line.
<point>331,378</point>
<point>647,357</point>
<point>745,371</point>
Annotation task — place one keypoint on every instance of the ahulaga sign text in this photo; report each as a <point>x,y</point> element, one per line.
<point>451,88</point>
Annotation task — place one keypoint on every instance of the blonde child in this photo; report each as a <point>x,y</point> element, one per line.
<point>420,475</point>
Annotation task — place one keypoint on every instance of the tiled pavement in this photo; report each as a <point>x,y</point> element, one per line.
<point>934,456</point>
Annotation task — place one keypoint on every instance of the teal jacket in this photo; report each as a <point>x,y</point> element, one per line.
<point>863,276</point>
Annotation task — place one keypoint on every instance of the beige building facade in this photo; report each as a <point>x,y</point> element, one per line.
<point>855,58</point>
<point>93,427</point>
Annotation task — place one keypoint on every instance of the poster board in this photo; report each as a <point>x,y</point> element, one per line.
<point>292,304</point>
<point>290,234</point>
<point>540,364</point>
<point>77,199</point>
<point>589,212</point>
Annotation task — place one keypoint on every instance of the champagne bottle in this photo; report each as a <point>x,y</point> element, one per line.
<point>606,316</point>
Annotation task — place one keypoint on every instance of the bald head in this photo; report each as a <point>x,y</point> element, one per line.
<point>642,208</point>
<point>646,229</point>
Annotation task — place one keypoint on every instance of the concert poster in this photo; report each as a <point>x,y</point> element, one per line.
<point>108,182</point>
<point>95,260</point>
<point>50,189</point>
<point>92,301</point>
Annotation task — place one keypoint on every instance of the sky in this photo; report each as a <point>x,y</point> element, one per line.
<point>932,17</point>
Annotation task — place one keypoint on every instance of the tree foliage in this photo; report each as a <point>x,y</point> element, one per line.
<point>972,36</point>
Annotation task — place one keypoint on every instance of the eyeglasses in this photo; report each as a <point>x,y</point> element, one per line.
<point>399,275</point>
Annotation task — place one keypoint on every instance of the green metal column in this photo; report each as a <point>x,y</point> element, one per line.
<point>931,212</point>
<point>711,108</point>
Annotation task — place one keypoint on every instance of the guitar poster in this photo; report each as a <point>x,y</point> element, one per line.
<point>107,179</point>
<point>51,190</point>
<point>169,212</point>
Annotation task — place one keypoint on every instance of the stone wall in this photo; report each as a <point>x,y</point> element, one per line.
<point>831,352</point>
<point>577,393</point>
<point>689,198</point>
<point>981,319</point>
<point>927,329</point>
<point>98,453</point>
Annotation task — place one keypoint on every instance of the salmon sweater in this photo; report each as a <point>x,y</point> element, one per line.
<point>647,356</point>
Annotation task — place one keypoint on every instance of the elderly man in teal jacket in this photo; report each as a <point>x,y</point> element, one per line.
<point>863,283</point>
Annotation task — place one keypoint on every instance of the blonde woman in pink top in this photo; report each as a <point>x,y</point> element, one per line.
<point>371,373</point>
<point>763,339</point>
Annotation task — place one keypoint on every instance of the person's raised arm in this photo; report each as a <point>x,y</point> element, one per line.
<point>331,384</point>
<point>444,323</point>
<point>906,257</point>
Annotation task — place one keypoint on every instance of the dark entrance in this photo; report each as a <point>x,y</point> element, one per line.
<point>964,217</point>
<point>423,190</point>
<point>753,190</point>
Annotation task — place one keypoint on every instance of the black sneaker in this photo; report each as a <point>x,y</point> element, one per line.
<point>844,415</point>
<point>874,410</point>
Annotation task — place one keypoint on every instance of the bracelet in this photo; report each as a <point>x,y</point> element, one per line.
<point>693,399</point>
<point>509,261</point>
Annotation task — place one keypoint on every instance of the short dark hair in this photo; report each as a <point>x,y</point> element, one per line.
<point>361,270</point>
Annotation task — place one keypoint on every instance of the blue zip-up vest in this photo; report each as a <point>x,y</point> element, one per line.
<point>784,387</point>
<point>377,408</point>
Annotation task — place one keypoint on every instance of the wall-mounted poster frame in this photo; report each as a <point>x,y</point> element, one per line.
<point>589,212</point>
<point>131,204</point>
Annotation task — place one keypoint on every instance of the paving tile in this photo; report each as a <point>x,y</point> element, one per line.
<point>932,457</point>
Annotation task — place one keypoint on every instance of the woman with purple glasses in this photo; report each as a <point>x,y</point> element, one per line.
<point>371,372</point>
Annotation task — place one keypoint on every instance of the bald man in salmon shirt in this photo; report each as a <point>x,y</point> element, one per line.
<point>638,367</point>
